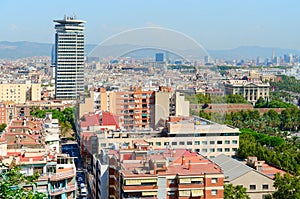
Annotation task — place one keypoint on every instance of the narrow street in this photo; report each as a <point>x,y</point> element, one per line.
<point>72,149</point>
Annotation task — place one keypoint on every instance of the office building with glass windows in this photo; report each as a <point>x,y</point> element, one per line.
<point>69,58</point>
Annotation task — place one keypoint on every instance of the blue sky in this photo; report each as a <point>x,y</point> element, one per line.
<point>216,24</point>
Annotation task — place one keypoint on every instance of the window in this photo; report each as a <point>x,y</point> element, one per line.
<point>204,142</point>
<point>227,149</point>
<point>234,149</point>
<point>204,150</point>
<point>171,193</point>
<point>211,142</point>
<point>227,141</point>
<point>219,149</point>
<point>166,143</point>
<point>197,142</point>
<point>234,141</point>
<point>265,186</point>
<point>219,142</point>
<point>103,145</point>
<point>181,143</point>
<point>214,192</point>
<point>212,150</point>
<point>189,143</point>
<point>174,143</point>
<point>214,180</point>
<point>172,181</point>
<point>157,143</point>
<point>252,186</point>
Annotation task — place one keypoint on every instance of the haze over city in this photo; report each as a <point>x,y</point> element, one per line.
<point>214,24</point>
<point>151,99</point>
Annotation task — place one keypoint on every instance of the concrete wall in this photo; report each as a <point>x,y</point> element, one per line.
<point>255,178</point>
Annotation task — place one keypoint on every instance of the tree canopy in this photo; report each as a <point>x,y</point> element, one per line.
<point>261,103</point>
<point>65,118</point>
<point>9,181</point>
<point>287,84</point>
<point>288,186</point>
<point>207,99</point>
<point>235,192</point>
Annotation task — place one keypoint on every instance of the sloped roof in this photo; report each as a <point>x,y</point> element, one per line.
<point>232,168</point>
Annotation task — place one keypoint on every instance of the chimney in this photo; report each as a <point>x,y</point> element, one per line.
<point>183,160</point>
<point>154,168</point>
<point>189,166</point>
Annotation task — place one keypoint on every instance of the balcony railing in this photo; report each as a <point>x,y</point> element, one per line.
<point>58,176</point>
<point>59,191</point>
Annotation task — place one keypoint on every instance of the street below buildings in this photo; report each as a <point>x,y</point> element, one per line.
<point>72,149</point>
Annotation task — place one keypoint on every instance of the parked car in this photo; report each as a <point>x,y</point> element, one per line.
<point>83,191</point>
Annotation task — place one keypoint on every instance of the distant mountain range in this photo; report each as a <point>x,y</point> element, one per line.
<point>21,49</point>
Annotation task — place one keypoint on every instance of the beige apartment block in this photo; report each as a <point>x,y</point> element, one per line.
<point>35,92</point>
<point>13,92</point>
<point>19,93</point>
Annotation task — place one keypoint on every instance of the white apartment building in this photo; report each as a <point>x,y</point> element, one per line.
<point>196,134</point>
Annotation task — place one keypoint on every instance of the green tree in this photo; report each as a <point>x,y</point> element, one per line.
<point>235,192</point>
<point>288,186</point>
<point>10,180</point>
<point>2,127</point>
<point>236,99</point>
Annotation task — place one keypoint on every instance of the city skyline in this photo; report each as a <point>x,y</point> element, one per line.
<point>215,25</point>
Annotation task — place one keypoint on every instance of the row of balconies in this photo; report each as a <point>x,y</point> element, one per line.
<point>57,176</point>
<point>59,191</point>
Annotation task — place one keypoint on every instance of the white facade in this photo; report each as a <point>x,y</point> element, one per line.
<point>69,58</point>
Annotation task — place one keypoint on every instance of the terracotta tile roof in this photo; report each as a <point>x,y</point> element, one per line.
<point>93,119</point>
<point>109,119</point>
<point>90,120</point>
<point>270,170</point>
<point>181,162</point>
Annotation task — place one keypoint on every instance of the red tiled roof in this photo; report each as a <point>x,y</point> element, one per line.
<point>90,120</point>
<point>270,170</point>
<point>109,119</point>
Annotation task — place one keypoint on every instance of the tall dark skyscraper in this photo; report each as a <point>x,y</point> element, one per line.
<point>159,57</point>
<point>69,58</point>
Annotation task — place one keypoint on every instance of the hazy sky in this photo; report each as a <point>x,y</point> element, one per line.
<point>216,24</point>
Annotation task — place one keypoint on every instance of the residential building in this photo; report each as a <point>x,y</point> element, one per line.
<point>258,184</point>
<point>197,134</point>
<point>20,92</point>
<point>165,174</point>
<point>262,167</point>
<point>251,91</point>
<point>34,145</point>
<point>69,58</point>
<point>100,175</point>
<point>3,119</point>
<point>137,108</point>
<point>179,106</point>
<point>133,108</point>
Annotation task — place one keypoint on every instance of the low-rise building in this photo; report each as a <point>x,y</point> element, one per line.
<point>258,184</point>
<point>163,174</point>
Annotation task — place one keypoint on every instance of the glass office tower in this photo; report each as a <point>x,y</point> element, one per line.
<point>69,58</point>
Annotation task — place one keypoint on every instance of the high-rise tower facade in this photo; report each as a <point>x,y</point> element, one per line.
<point>69,58</point>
